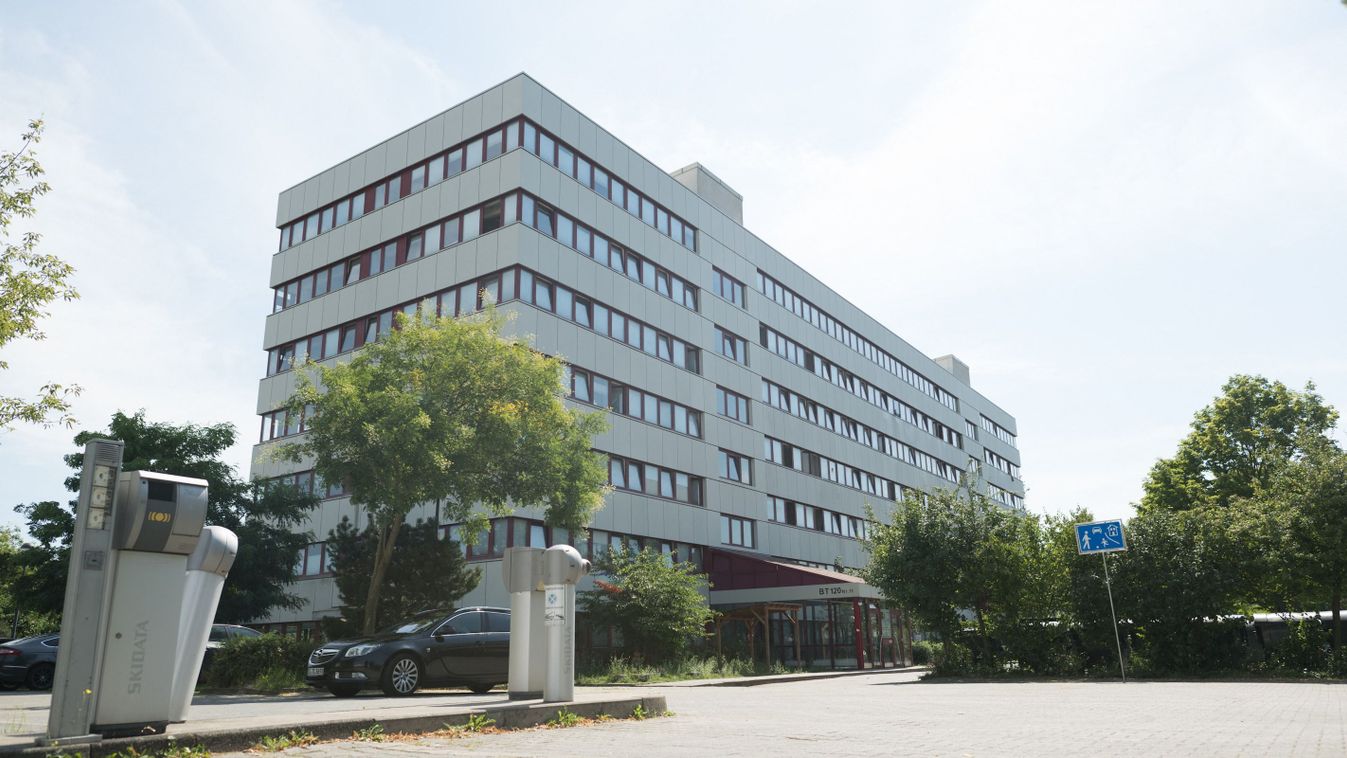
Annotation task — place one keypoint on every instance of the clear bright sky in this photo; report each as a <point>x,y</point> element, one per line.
<point>1104,208</point>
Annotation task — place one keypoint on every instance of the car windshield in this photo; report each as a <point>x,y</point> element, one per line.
<point>412,626</point>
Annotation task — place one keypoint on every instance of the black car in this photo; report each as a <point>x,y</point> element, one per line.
<point>30,662</point>
<point>469,647</point>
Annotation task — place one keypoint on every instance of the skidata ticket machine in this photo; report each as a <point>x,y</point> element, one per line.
<point>144,581</point>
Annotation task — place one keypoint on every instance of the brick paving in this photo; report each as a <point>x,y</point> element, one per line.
<point>893,714</point>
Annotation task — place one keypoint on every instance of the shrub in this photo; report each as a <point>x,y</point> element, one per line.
<point>923,653</point>
<point>249,661</point>
<point>1305,648</point>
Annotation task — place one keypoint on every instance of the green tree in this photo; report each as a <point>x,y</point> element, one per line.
<point>264,517</point>
<point>1306,504</point>
<point>917,561</point>
<point>658,605</point>
<point>426,573</point>
<point>1085,609</point>
<point>29,280</point>
<point>1238,441</point>
<point>1181,575</point>
<point>956,551</point>
<point>452,410</point>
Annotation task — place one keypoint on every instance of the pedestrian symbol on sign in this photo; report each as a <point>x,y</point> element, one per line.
<point>1100,537</point>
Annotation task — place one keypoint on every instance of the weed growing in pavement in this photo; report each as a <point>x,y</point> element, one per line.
<point>638,712</point>
<point>173,750</point>
<point>292,738</point>
<point>371,733</point>
<point>478,722</point>
<point>563,719</point>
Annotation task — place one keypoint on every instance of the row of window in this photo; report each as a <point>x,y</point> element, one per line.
<point>813,464</point>
<point>446,232</point>
<point>731,404</point>
<point>793,513</point>
<point>282,423</point>
<point>455,301</point>
<point>732,346</point>
<point>637,476</point>
<point>591,244</point>
<point>727,287</point>
<point>822,367</point>
<point>1001,432</point>
<point>517,532</point>
<point>478,220</point>
<point>798,405</point>
<point>1004,496</point>
<point>310,484</point>
<point>596,389</point>
<point>605,185</point>
<point>1002,464</point>
<point>597,317</point>
<point>806,310</point>
<point>466,155</point>
<point>736,467</point>
<point>500,286</point>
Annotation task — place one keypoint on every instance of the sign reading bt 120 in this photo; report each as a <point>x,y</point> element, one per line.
<point>1100,537</point>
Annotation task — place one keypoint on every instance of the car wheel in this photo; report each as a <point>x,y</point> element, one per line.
<point>402,675</point>
<point>480,689</point>
<point>40,676</point>
<point>344,690</point>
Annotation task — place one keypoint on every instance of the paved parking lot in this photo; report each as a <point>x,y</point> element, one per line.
<point>893,714</point>
<point>873,714</point>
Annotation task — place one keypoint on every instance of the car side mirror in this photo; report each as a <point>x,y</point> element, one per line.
<point>439,637</point>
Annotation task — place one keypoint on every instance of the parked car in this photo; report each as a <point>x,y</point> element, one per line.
<point>29,662</point>
<point>468,647</point>
<point>221,633</point>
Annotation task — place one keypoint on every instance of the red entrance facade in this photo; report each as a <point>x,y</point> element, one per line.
<point>833,619</point>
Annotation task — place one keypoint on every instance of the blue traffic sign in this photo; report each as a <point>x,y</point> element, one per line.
<point>1100,537</point>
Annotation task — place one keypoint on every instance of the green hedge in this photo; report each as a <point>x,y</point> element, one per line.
<point>242,661</point>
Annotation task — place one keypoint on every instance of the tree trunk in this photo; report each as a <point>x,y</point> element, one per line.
<point>1337,612</point>
<point>982,633</point>
<point>383,555</point>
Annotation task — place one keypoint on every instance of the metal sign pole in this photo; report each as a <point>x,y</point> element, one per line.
<point>1108,585</point>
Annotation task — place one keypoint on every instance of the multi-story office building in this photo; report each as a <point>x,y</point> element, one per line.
<point>755,412</point>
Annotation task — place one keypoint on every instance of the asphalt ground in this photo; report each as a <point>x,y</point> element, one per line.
<point>881,713</point>
<point>886,714</point>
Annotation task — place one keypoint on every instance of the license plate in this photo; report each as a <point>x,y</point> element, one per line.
<point>315,671</point>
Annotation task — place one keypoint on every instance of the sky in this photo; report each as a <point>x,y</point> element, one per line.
<point>1106,209</point>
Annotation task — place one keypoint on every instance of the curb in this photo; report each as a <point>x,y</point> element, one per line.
<point>506,717</point>
<point>756,681</point>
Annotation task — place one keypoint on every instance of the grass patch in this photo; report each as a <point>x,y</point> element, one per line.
<point>563,719</point>
<point>625,671</point>
<point>172,751</point>
<point>292,738</point>
<point>371,733</point>
<point>478,722</point>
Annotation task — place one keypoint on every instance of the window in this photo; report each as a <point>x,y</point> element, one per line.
<point>646,478</point>
<point>497,622</point>
<point>732,346</point>
<point>727,287</point>
<point>735,467</point>
<point>492,214</point>
<point>731,405</point>
<point>736,531</point>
